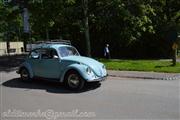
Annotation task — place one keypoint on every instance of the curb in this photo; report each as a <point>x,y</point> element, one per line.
<point>144,75</point>
<point>166,78</point>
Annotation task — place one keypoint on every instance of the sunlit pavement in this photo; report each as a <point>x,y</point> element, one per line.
<point>115,98</point>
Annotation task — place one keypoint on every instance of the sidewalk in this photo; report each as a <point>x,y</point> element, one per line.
<point>144,75</point>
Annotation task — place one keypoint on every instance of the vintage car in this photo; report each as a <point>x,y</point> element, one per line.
<point>62,63</point>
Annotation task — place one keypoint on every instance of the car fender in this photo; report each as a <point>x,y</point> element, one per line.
<point>28,67</point>
<point>81,69</point>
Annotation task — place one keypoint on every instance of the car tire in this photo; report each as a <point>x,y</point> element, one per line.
<point>73,80</point>
<point>25,76</point>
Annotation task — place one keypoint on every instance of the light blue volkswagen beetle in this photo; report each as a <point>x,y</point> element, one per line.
<point>62,63</point>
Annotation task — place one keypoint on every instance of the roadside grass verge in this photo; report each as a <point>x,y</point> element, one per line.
<point>141,65</point>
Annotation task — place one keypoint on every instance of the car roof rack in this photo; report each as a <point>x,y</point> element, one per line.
<point>56,41</point>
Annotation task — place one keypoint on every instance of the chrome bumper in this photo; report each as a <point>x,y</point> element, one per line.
<point>99,79</point>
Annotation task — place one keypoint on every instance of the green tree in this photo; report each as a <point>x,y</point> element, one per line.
<point>133,28</point>
<point>10,22</point>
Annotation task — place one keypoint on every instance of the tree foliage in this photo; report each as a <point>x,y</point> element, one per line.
<point>133,28</point>
<point>10,22</point>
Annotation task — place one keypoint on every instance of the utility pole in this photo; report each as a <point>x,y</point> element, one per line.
<point>25,15</point>
<point>23,4</point>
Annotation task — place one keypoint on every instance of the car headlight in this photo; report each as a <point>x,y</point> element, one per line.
<point>104,67</point>
<point>88,70</point>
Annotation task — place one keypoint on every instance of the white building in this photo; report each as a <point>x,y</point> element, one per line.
<point>14,48</point>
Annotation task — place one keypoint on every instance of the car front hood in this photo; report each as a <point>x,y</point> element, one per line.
<point>93,64</point>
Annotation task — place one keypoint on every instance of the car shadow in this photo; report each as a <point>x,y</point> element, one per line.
<point>52,87</point>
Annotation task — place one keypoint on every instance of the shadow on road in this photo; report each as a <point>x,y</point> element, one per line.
<point>52,87</point>
<point>9,63</point>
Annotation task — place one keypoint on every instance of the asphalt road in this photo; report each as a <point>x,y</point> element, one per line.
<point>115,98</point>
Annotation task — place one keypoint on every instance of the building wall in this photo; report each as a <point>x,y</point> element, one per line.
<point>3,48</point>
<point>17,46</point>
<point>14,48</point>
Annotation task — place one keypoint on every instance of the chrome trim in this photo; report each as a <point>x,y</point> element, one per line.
<point>99,79</point>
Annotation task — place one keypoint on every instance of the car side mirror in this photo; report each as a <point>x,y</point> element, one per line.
<point>35,55</point>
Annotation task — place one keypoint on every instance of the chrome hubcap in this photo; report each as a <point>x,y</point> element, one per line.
<point>73,80</point>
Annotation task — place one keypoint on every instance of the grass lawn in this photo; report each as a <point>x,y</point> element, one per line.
<point>141,65</point>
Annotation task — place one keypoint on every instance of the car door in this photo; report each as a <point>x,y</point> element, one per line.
<point>33,60</point>
<point>49,65</point>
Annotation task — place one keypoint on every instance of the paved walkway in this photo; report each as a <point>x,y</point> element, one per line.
<point>144,75</point>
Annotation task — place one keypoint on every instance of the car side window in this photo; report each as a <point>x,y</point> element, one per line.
<point>53,54</point>
<point>49,54</point>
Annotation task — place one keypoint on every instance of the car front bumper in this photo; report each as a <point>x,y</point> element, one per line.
<point>98,79</point>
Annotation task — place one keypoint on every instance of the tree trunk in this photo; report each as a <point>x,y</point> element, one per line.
<point>87,38</point>
<point>86,27</point>
<point>174,57</point>
<point>47,34</point>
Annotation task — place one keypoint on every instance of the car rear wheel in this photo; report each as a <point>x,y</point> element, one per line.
<point>24,75</point>
<point>74,81</point>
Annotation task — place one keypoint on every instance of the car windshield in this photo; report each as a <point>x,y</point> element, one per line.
<point>68,51</point>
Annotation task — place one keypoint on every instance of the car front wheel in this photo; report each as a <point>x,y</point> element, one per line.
<point>74,81</point>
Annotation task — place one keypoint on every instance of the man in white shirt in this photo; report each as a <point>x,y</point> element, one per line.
<point>107,52</point>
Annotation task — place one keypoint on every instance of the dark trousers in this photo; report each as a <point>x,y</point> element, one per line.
<point>108,56</point>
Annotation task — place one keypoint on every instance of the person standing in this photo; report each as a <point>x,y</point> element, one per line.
<point>107,52</point>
